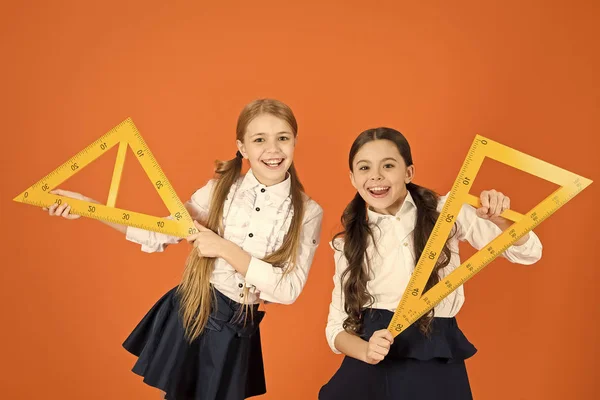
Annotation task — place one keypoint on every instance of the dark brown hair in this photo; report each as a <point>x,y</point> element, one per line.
<point>357,232</point>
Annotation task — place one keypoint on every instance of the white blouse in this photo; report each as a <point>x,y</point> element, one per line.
<point>394,260</point>
<point>256,218</point>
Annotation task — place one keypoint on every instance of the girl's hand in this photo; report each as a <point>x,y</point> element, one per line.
<point>493,203</point>
<point>206,242</point>
<point>378,346</point>
<point>64,209</point>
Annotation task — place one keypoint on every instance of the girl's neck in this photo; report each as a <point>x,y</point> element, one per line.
<point>393,209</point>
<point>270,182</point>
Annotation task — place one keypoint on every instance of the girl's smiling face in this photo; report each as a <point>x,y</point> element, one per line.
<point>380,175</point>
<point>268,145</point>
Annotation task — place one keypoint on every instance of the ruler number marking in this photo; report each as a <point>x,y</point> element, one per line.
<point>467,174</point>
<point>534,216</point>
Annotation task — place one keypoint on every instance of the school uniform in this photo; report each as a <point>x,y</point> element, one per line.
<point>225,362</point>
<point>417,366</point>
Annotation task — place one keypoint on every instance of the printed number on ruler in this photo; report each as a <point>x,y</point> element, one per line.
<point>414,302</point>
<point>126,135</point>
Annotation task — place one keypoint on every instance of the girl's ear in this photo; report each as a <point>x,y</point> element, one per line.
<point>242,148</point>
<point>352,180</point>
<point>410,174</point>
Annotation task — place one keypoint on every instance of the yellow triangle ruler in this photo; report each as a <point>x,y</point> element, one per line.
<point>126,135</point>
<point>414,302</point>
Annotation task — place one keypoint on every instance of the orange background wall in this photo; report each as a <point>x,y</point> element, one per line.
<point>524,73</point>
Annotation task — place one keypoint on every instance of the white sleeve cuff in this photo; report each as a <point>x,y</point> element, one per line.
<point>142,237</point>
<point>258,272</point>
<point>527,253</point>
<point>331,335</point>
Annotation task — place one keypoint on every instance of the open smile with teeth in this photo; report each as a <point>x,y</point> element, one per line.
<point>273,162</point>
<point>378,191</point>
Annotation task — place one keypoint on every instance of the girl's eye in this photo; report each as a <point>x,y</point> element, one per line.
<point>284,138</point>
<point>363,168</point>
<point>389,165</point>
<point>258,140</point>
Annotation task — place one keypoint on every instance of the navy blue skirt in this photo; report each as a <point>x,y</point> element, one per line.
<point>417,366</point>
<point>223,363</point>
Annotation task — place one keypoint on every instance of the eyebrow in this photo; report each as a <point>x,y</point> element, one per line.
<point>264,133</point>
<point>385,159</point>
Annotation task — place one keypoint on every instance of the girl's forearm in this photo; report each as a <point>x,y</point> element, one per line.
<point>351,345</point>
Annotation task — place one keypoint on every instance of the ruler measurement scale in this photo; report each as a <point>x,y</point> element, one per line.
<point>414,303</point>
<point>441,230</point>
<point>126,135</point>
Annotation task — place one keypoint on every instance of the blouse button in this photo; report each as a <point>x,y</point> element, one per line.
<point>257,208</point>
<point>241,294</point>
<point>405,244</point>
<point>251,234</point>
<point>263,190</point>
<point>240,285</point>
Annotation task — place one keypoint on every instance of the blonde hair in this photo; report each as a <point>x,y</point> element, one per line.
<point>195,289</point>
